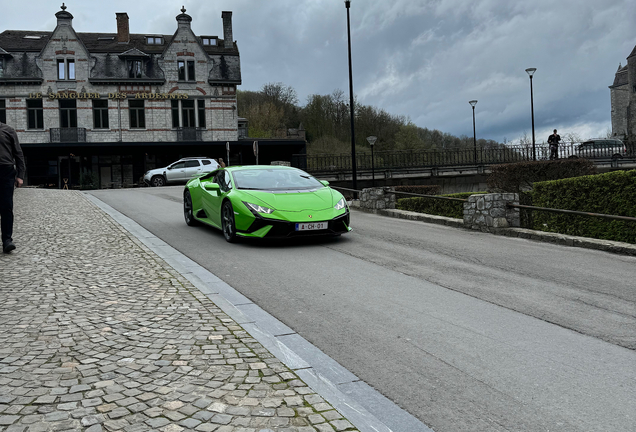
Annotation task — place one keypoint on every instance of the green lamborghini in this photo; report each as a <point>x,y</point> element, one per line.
<point>263,201</point>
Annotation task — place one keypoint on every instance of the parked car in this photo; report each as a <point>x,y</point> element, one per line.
<point>264,201</point>
<point>602,148</point>
<point>180,171</point>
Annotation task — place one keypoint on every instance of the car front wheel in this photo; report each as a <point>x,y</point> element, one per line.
<point>227,222</point>
<point>187,209</point>
<point>158,181</point>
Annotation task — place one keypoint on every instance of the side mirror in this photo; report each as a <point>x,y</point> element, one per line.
<point>211,186</point>
<point>324,182</point>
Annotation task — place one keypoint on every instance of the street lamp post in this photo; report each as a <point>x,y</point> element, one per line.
<point>372,140</point>
<point>353,134</point>
<point>531,72</point>
<point>472,104</point>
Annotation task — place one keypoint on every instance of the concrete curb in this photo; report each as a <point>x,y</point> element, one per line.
<point>363,406</point>
<point>547,237</point>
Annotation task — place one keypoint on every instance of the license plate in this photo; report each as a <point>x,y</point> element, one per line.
<point>308,226</point>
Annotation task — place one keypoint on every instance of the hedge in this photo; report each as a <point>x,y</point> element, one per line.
<point>418,189</point>
<point>519,177</point>
<point>448,208</point>
<point>613,193</point>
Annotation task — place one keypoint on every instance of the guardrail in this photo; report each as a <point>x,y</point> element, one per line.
<point>521,206</point>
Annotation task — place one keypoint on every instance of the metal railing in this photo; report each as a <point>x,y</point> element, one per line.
<point>190,134</point>
<point>451,157</point>
<point>67,135</point>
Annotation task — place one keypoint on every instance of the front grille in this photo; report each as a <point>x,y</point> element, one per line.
<point>337,225</point>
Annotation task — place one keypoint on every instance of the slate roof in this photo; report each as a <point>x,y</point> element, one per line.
<point>633,53</point>
<point>621,77</point>
<point>15,41</point>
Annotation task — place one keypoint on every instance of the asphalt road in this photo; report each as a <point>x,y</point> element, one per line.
<point>466,331</point>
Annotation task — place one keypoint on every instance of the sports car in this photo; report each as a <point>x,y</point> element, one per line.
<point>263,201</point>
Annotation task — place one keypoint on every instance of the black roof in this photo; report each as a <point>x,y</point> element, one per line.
<point>35,41</point>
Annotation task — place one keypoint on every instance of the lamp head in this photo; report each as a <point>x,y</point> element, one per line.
<point>347,3</point>
<point>531,71</point>
<point>472,103</point>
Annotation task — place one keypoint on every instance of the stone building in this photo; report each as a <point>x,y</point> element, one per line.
<point>113,105</point>
<point>623,100</point>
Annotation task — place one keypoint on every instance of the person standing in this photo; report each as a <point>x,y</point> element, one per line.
<point>553,141</point>
<point>12,170</point>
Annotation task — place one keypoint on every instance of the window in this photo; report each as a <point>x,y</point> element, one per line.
<point>208,41</point>
<point>1,67</point>
<point>178,165</point>
<point>206,162</point>
<point>3,111</point>
<point>154,40</point>
<point>100,114</point>
<point>188,113</point>
<point>192,164</point>
<point>137,114</point>
<point>65,69</point>
<point>186,70</point>
<point>201,113</point>
<point>35,114</point>
<point>68,113</point>
<point>134,69</point>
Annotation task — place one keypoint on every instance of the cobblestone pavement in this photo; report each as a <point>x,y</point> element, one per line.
<point>97,333</point>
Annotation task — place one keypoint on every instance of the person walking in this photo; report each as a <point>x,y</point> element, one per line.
<point>553,141</point>
<point>12,170</point>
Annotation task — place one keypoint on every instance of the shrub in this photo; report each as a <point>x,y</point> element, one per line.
<point>611,193</point>
<point>519,177</point>
<point>448,208</point>
<point>418,189</point>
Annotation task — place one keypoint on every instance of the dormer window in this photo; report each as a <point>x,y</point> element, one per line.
<point>208,40</point>
<point>66,69</point>
<point>134,68</point>
<point>154,40</point>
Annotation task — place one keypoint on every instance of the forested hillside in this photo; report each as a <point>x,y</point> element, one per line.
<point>325,118</point>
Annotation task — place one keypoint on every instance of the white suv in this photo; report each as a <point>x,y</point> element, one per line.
<point>180,171</point>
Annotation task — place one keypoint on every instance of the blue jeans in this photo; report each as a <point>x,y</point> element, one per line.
<point>7,185</point>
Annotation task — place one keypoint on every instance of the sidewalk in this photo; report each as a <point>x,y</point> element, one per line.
<point>98,333</point>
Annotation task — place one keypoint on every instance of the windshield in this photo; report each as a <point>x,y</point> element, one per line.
<point>275,179</point>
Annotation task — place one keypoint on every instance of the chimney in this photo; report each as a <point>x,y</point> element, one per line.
<point>123,32</point>
<point>227,29</point>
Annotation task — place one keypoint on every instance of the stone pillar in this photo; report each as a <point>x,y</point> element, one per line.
<point>377,198</point>
<point>487,212</point>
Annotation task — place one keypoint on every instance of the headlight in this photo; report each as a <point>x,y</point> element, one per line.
<point>341,204</point>
<point>258,209</point>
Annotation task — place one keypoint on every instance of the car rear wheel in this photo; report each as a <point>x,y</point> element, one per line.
<point>187,209</point>
<point>157,181</point>
<point>227,222</point>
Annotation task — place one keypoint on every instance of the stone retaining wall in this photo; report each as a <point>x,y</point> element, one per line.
<point>490,211</point>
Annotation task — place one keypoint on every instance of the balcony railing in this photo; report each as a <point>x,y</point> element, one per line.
<point>190,134</point>
<point>68,135</point>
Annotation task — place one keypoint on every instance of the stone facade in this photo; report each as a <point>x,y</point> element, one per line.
<point>101,69</point>
<point>623,100</point>
<point>486,212</point>
<point>377,198</point>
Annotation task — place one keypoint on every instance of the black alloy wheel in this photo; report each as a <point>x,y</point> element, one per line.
<point>227,222</point>
<point>187,210</point>
<point>157,181</point>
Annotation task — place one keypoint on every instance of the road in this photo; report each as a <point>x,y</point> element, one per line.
<point>464,330</point>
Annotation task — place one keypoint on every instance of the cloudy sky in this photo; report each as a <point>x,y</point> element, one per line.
<point>424,59</point>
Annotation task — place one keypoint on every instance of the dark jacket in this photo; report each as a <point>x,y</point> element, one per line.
<point>554,139</point>
<point>10,150</point>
